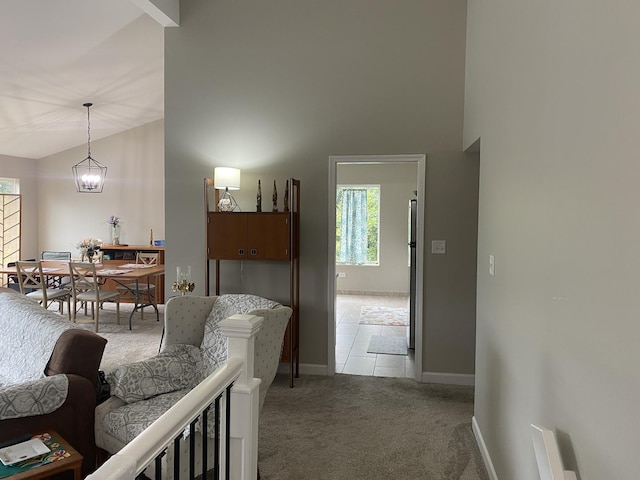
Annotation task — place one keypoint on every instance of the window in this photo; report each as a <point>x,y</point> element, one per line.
<point>10,220</point>
<point>9,185</point>
<point>357,224</point>
<point>10,227</point>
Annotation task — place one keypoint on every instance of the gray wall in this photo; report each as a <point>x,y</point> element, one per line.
<point>275,88</point>
<point>552,91</point>
<point>397,184</point>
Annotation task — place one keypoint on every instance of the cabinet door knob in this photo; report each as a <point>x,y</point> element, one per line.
<point>254,251</point>
<point>241,251</point>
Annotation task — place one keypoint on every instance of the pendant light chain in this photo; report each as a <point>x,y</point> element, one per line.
<point>88,105</point>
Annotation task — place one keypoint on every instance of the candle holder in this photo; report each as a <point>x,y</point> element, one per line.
<point>183,287</point>
<point>183,284</point>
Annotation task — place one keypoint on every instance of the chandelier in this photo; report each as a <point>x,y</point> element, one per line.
<point>89,173</point>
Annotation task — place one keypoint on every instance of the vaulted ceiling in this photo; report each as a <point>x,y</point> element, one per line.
<point>56,55</point>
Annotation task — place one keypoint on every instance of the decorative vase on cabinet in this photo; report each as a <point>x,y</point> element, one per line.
<point>115,234</point>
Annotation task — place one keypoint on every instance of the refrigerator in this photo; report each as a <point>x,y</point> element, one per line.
<point>412,272</point>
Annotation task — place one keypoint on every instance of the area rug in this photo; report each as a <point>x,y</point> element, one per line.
<point>381,315</point>
<point>388,345</point>
<point>124,345</point>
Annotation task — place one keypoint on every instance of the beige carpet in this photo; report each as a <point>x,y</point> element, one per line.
<point>352,427</point>
<point>124,345</point>
<point>342,427</point>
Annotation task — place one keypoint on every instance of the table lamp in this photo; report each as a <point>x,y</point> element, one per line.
<point>226,178</point>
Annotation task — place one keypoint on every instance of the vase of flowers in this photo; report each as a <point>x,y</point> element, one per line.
<point>114,229</point>
<point>88,247</point>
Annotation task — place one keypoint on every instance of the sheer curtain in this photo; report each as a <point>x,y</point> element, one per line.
<point>353,235</point>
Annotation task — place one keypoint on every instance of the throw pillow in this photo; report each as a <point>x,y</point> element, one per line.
<point>176,368</point>
<point>36,397</point>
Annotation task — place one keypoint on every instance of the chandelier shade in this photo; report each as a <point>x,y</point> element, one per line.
<point>89,174</point>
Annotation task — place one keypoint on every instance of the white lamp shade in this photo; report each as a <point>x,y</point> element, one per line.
<point>226,178</point>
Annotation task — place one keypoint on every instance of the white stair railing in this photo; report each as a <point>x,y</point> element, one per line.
<point>548,457</point>
<point>242,431</point>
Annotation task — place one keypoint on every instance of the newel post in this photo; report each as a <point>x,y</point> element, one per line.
<point>240,331</point>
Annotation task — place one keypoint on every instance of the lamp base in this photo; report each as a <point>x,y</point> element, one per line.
<point>227,203</point>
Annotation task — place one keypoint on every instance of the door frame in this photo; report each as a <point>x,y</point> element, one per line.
<point>334,161</point>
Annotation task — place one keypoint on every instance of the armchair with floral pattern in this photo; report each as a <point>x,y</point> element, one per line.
<point>192,348</point>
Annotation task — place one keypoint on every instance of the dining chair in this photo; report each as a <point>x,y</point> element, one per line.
<point>143,291</point>
<point>56,281</point>
<point>33,284</point>
<point>12,278</point>
<point>85,288</point>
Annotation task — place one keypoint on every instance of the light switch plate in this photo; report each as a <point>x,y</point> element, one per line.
<point>439,246</point>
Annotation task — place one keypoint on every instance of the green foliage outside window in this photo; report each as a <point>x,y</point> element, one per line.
<point>8,185</point>
<point>373,219</point>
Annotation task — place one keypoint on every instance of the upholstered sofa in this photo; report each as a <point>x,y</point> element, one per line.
<point>48,375</point>
<point>192,348</point>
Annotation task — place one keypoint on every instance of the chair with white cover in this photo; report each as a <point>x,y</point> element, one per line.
<point>191,325</point>
<point>142,290</point>
<point>33,284</point>
<point>56,256</point>
<point>56,281</point>
<point>86,288</point>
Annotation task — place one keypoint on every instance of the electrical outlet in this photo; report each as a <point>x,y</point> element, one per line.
<point>492,265</point>
<point>439,247</point>
<point>342,274</point>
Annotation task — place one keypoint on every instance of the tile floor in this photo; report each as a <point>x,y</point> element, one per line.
<point>352,339</point>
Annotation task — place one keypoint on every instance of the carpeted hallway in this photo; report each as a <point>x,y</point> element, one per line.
<point>354,427</point>
<point>344,427</point>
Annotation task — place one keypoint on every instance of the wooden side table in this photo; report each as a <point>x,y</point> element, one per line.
<point>72,462</point>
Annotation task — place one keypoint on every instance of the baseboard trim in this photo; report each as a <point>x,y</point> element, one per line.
<point>427,377</point>
<point>449,378</point>
<point>483,449</point>
<point>372,293</point>
<point>306,369</point>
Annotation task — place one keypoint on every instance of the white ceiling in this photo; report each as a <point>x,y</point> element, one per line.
<point>56,55</point>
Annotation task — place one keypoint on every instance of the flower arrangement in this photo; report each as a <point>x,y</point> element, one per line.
<point>113,220</point>
<point>89,244</point>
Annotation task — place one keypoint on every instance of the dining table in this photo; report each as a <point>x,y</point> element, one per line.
<point>123,274</point>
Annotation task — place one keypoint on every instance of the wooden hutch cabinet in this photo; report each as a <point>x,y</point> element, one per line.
<point>256,236</point>
<point>249,236</point>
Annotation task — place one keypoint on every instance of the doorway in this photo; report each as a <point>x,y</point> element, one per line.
<point>381,282</point>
